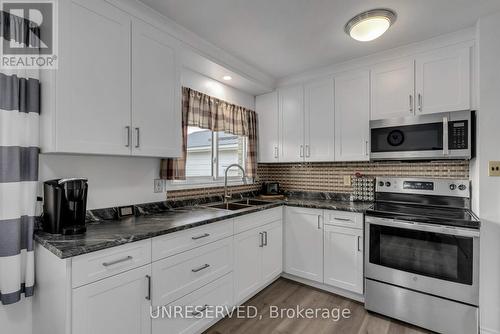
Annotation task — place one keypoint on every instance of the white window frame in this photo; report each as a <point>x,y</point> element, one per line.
<point>214,180</point>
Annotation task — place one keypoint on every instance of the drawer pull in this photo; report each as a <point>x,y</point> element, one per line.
<point>343,219</point>
<point>201,236</point>
<point>148,297</point>
<point>205,266</point>
<point>265,238</point>
<point>107,264</point>
<point>196,313</point>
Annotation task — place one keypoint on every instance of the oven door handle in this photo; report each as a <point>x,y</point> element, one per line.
<point>449,230</point>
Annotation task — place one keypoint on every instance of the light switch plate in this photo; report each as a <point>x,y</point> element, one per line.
<point>159,185</point>
<point>347,180</point>
<point>494,168</point>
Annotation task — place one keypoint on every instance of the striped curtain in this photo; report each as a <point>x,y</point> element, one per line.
<point>19,148</point>
<point>207,112</point>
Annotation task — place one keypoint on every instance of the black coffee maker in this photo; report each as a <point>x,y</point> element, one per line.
<point>64,205</point>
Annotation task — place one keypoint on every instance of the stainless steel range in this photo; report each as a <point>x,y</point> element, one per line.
<point>422,254</point>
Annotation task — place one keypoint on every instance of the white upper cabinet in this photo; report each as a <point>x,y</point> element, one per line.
<point>156,100</point>
<point>117,88</point>
<point>291,129</point>
<point>266,107</point>
<point>443,81</point>
<point>319,120</point>
<point>392,90</point>
<point>91,108</point>
<point>352,114</point>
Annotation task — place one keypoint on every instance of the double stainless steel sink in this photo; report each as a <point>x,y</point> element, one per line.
<point>238,205</point>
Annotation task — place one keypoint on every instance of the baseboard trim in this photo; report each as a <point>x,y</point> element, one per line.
<point>483,330</point>
<point>325,287</point>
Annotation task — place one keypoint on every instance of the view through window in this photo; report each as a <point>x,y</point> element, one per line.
<point>209,153</point>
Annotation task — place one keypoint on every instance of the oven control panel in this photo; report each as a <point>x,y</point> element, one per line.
<point>441,187</point>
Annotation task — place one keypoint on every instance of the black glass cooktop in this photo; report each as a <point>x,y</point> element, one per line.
<point>427,214</point>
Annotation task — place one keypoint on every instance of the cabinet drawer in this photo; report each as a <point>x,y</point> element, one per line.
<point>108,262</point>
<point>181,274</point>
<point>344,218</point>
<point>171,244</point>
<point>218,293</point>
<point>253,220</point>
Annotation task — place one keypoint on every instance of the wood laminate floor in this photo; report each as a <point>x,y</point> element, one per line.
<point>288,294</point>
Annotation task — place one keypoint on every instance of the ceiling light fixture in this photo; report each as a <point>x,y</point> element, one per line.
<point>227,77</point>
<point>370,25</point>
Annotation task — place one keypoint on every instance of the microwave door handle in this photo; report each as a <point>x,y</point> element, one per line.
<point>446,150</point>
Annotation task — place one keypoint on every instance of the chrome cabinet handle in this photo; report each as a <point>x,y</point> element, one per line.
<point>148,297</point>
<point>319,222</point>
<point>445,136</point>
<point>301,151</point>
<point>107,264</point>
<point>276,152</point>
<point>261,239</point>
<point>127,128</point>
<point>411,104</point>
<point>342,219</point>
<point>359,243</point>
<point>367,152</point>
<point>137,133</point>
<point>201,236</point>
<point>205,266</point>
<point>196,313</point>
<point>308,151</point>
<point>265,238</point>
<point>419,102</point>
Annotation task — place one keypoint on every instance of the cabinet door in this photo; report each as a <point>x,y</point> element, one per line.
<point>272,259</point>
<point>115,305</point>
<point>291,114</point>
<point>319,120</point>
<point>443,81</point>
<point>156,101</point>
<point>247,264</point>
<point>93,81</point>
<point>392,90</point>
<point>352,116</point>
<point>304,243</point>
<point>266,107</point>
<point>344,258</point>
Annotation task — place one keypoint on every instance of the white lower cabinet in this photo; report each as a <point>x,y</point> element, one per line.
<point>257,259</point>
<point>304,243</point>
<point>198,309</point>
<point>178,275</point>
<point>344,258</point>
<point>116,305</point>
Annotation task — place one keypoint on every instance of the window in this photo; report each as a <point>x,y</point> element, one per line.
<point>209,153</point>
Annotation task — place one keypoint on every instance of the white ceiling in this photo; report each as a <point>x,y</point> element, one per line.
<point>285,37</point>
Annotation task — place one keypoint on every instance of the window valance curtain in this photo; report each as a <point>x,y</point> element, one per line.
<point>207,112</point>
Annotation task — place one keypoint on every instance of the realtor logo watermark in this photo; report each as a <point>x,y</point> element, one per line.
<point>31,41</point>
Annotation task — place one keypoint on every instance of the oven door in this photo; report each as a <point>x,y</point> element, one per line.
<point>433,259</point>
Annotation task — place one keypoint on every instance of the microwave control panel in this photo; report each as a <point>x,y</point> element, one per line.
<point>458,135</point>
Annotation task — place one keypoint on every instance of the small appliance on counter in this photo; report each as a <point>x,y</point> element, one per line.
<point>65,205</point>
<point>271,190</point>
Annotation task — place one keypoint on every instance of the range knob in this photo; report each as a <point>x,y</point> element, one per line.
<point>453,186</point>
<point>462,187</point>
<point>387,184</point>
<point>381,183</point>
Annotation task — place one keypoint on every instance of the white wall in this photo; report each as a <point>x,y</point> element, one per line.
<point>115,181</point>
<point>489,187</point>
<point>16,318</point>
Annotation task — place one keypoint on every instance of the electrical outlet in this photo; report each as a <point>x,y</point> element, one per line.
<point>347,180</point>
<point>159,185</point>
<point>494,168</point>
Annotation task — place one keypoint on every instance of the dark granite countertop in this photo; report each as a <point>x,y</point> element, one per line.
<point>104,234</point>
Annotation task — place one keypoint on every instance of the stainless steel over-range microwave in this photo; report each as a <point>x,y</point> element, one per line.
<point>449,135</point>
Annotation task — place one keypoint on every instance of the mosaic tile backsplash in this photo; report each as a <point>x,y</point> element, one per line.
<point>329,176</point>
